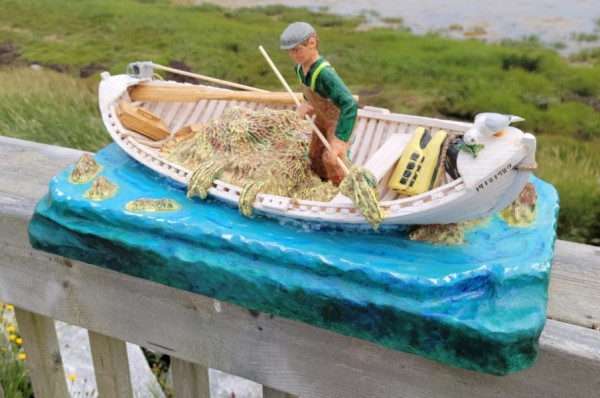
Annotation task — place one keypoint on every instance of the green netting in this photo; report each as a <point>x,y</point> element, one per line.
<point>263,151</point>
<point>360,186</point>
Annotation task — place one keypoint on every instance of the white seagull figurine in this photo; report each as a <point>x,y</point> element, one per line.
<point>487,124</point>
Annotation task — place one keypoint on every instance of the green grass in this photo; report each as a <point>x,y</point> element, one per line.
<point>428,75</point>
<point>589,37</point>
<point>573,168</point>
<point>14,375</point>
<point>587,56</point>
<point>49,107</point>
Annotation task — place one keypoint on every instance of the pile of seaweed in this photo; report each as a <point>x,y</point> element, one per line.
<point>261,151</point>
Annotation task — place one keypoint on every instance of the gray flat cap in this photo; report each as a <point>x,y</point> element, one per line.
<point>296,33</point>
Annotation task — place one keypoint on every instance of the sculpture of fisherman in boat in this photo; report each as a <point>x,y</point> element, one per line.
<point>470,188</point>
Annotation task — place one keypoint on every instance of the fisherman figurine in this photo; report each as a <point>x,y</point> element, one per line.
<point>326,98</point>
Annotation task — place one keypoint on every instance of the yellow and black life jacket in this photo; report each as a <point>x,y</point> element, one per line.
<point>417,169</point>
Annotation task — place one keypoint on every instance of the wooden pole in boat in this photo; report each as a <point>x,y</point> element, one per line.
<point>205,78</point>
<point>312,124</point>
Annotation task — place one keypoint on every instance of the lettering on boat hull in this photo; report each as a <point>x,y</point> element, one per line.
<point>501,173</point>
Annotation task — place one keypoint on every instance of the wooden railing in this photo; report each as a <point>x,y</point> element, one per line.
<point>200,333</point>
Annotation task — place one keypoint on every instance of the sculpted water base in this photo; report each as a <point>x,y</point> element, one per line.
<point>481,305</point>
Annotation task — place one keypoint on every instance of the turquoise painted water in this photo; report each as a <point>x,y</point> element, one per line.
<point>379,286</point>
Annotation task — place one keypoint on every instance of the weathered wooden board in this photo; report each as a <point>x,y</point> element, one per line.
<point>575,284</point>
<point>277,352</point>
<point>271,393</point>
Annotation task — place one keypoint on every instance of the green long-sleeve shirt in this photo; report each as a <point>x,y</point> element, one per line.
<point>330,86</point>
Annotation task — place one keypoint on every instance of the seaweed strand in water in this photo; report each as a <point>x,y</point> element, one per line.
<point>152,205</point>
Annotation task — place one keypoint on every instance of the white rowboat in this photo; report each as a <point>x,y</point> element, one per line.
<point>487,184</point>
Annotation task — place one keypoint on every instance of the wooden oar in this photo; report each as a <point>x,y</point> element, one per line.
<point>166,92</point>
<point>312,124</point>
<point>199,77</point>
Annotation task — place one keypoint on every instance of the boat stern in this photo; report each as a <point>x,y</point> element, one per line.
<point>522,172</point>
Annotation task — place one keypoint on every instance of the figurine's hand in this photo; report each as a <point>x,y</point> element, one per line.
<point>306,109</point>
<point>338,148</point>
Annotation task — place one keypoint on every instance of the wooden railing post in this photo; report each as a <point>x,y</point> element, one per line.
<point>111,366</point>
<point>189,380</point>
<point>43,354</point>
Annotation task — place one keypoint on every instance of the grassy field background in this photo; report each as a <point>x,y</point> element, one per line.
<point>426,75</point>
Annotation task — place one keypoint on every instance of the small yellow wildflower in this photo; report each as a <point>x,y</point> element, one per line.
<point>12,337</point>
<point>10,328</point>
<point>22,357</point>
<point>19,341</point>
<point>73,377</point>
<point>10,307</point>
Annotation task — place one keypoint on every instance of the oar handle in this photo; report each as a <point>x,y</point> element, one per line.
<point>205,78</point>
<point>312,124</point>
<point>281,79</point>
